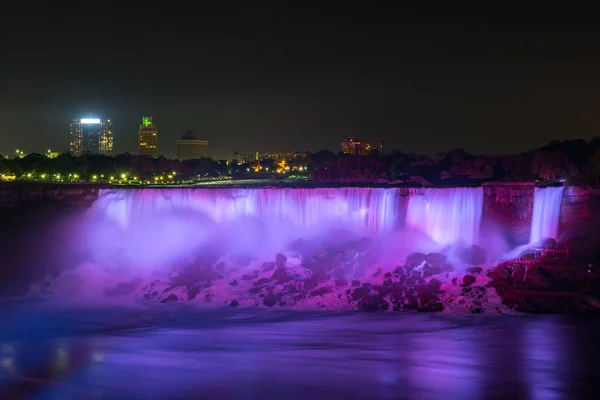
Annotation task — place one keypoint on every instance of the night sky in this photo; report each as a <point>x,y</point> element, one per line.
<point>424,77</point>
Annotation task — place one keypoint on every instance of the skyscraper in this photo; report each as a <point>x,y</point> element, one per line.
<point>190,148</point>
<point>148,138</point>
<point>91,136</point>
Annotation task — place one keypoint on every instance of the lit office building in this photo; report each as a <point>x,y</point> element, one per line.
<point>91,136</point>
<point>354,146</point>
<point>190,148</point>
<point>243,158</point>
<point>148,138</point>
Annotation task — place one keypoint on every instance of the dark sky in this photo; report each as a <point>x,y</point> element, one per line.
<point>424,77</point>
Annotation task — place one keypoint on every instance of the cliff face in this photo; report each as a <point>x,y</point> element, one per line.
<point>28,195</point>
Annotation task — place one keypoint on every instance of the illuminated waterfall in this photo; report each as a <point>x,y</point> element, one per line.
<point>158,224</point>
<point>447,215</point>
<point>546,213</point>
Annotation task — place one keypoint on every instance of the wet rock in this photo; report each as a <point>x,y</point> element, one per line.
<point>310,284</point>
<point>321,291</point>
<point>372,303</point>
<point>340,282</point>
<point>415,259</point>
<point>355,283</point>
<point>434,285</point>
<point>281,276</point>
<point>170,299</point>
<point>436,259</point>
<point>468,280</point>
<point>255,290</point>
<point>270,300</point>
<point>234,303</point>
<point>268,266</point>
<point>474,270</point>
<point>280,260</point>
<point>549,244</point>
<point>250,276</point>
<point>261,282</point>
<point>359,293</point>
<point>430,270</point>
<point>234,282</point>
<point>473,255</point>
<point>193,292</point>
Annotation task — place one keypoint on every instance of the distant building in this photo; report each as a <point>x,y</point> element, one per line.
<point>243,158</point>
<point>354,146</point>
<point>148,138</point>
<point>278,157</point>
<point>91,136</point>
<point>190,148</point>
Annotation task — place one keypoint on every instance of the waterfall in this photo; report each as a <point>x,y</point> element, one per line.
<point>154,225</point>
<point>447,215</point>
<point>546,213</point>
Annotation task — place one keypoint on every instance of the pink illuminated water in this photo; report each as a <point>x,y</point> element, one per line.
<point>447,215</point>
<point>546,213</point>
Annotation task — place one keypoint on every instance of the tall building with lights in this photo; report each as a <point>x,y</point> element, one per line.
<point>354,146</point>
<point>190,148</point>
<point>148,138</point>
<point>91,136</point>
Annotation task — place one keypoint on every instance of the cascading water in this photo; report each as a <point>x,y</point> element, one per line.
<point>546,213</point>
<point>448,216</point>
<point>157,225</point>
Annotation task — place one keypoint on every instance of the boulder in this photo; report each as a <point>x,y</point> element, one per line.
<point>372,303</point>
<point>270,300</point>
<point>415,259</point>
<point>473,255</point>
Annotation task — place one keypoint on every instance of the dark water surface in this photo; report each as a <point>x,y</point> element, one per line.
<point>175,352</point>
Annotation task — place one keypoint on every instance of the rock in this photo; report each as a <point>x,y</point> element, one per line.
<point>234,282</point>
<point>430,270</point>
<point>359,293</point>
<point>280,260</point>
<point>280,275</point>
<point>270,300</point>
<point>415,259</point>
<point>434,285</point>
<point>234,303</point>
<point>193,292</point>
<point>340,282</point>
<point>250,276</point>
<point>468,280</point>
<point>474,270</point>
<point>268,266</point>
<point>372,303</point>
<point>436,259</point>
<point>473,255</point>
<point>261,282</point>
<point>169,299</point>
<point>321,291</point>
<point>549,244</point>
<point>355,283</point>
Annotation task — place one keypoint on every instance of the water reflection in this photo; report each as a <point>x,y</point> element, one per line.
<point>387,356</point>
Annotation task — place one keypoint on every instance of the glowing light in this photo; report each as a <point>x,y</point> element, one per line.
<point>112,178</point>
<point>94,177</point>
<point>90,120</point>
<point>76,176</point>
<point>29,175</point>
<point>123,176</point>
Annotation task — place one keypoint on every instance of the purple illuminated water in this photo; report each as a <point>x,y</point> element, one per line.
<point>447,216</point>
<point>546,213</point>
<point>156,225</point>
